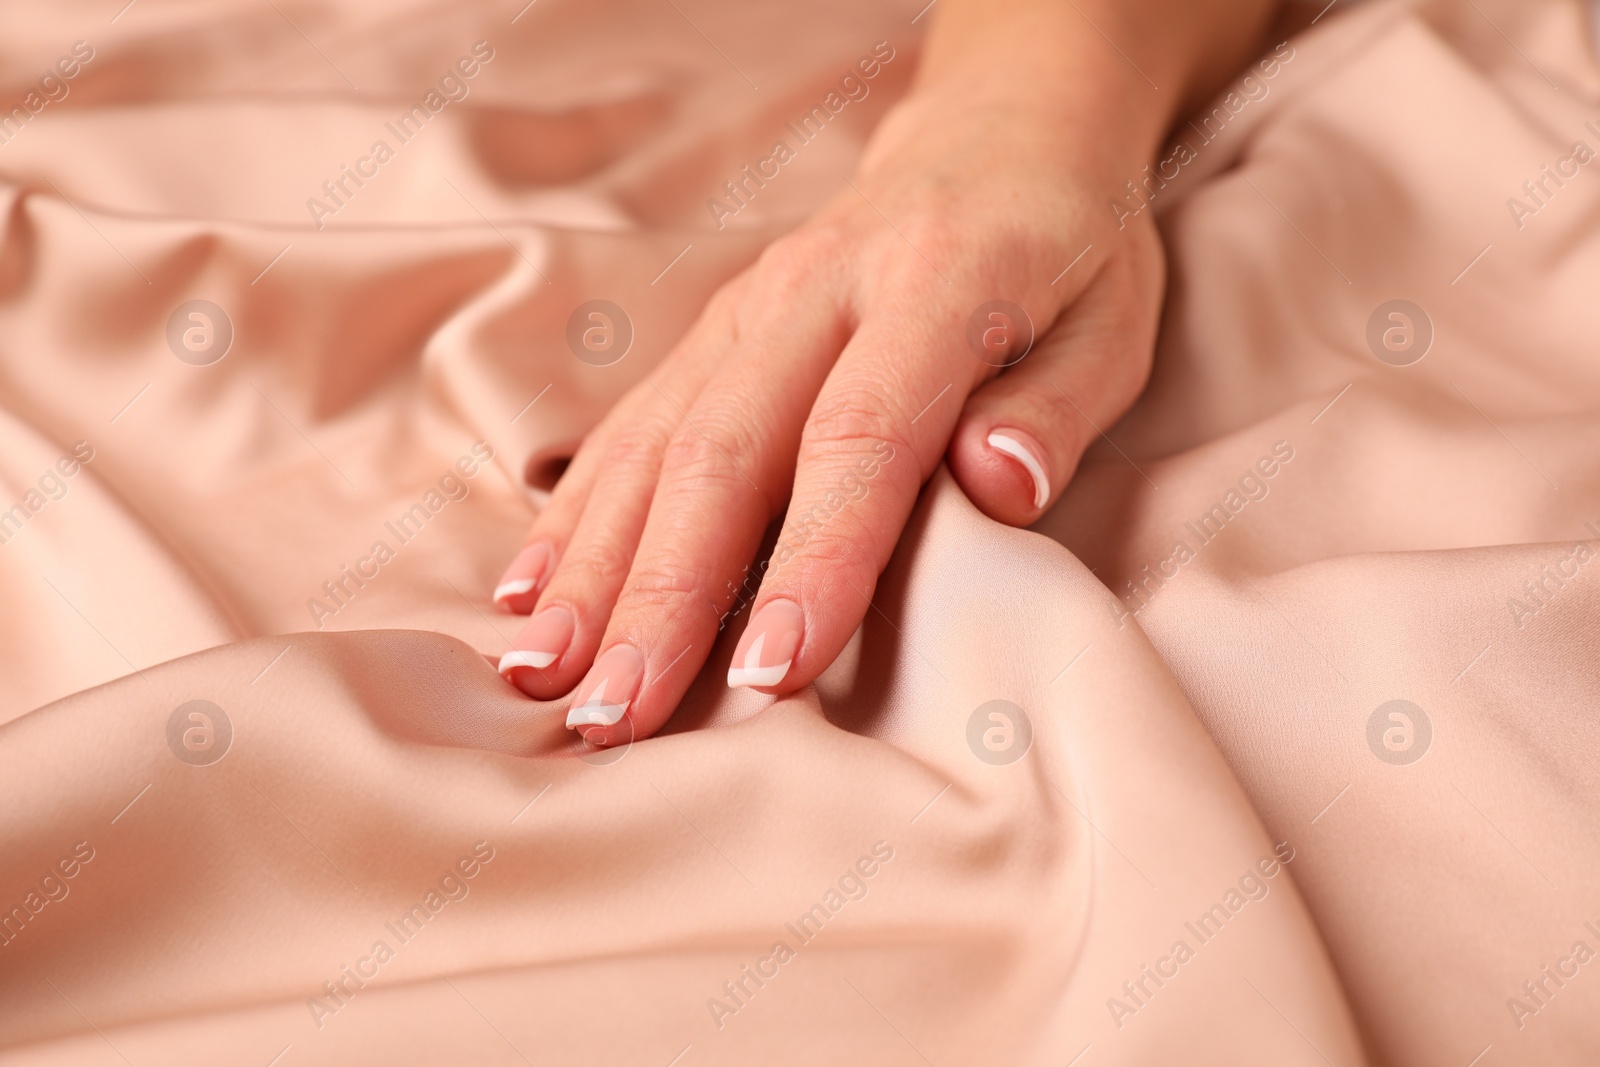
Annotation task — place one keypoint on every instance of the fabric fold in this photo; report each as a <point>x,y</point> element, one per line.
<point>1273,741</point>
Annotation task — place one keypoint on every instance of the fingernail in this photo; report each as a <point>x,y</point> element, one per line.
<point>608,689</point>
<point>768,646</point>
<point>541,642</point>
<point>1025,450</point>
<point>518,590</point>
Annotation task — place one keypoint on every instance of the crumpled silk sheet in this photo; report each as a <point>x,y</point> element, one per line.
<point>1218,842</point>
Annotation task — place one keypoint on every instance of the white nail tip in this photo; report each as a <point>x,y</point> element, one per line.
<point>757,676</point>
<point>1019,452</point>
<point>595,711</point>
<point>597,714</point>
<point>516,588</point>
<point>753,673</point>
<point>522,658</point>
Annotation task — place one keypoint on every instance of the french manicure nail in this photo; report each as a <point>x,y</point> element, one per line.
<point>1025,450</point>
<point>519,588</point>
<point>768,646</point>
<point>541,642</point>
<point>609,688</point>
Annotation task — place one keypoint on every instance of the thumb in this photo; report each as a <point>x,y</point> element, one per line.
<point>1020,436</point>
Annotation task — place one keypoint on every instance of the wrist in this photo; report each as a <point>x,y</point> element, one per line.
<point>1053,142</point>
<point>1116,74</point>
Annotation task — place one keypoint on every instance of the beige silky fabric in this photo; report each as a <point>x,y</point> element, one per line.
<point>379,785</point>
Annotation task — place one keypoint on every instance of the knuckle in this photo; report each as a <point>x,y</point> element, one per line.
<point>712,446</point>
<point>661,586</point>
<point>852,420</point>
<point>1063,413</point>
<point>828,549</point>
<point>833,569</point>
<point>594,564</point>
<point>677,587</point>
<point>1055,406</point>
<point>827,534</point>
<point>797,262</point>
<point>636,446</point>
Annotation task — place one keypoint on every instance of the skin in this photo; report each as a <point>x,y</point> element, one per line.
<point>985,182</point>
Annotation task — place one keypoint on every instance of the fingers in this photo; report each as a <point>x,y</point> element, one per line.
<point>725,474</point>
<point>691,362</point>
<point>519,587</point>
<point>1021,435</point>
<point>874,435</point>
<point>581,546</point>
<point>559,640</point>
<point>530,569</point>
<point>632,565</point>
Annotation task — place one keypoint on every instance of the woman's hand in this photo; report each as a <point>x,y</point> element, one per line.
<point>827,381</point>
